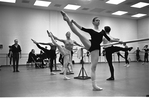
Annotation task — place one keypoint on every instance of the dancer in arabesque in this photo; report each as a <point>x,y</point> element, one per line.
<point>92,45</point>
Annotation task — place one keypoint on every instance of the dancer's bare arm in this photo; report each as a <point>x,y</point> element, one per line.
<point>77,44</point>
<point>112,39</point>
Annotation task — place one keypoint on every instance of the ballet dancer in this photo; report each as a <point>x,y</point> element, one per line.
<point>138,54</point>
<point>69,43</point>
<point>66,54</point>
<point>126,56</point>
<point>92,45</point>
<point>110,49</point>
<point>50,54</point>
<point>146,50</point>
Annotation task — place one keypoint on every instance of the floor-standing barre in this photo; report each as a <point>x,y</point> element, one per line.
<point>131,41</point>
<point>82,74</point>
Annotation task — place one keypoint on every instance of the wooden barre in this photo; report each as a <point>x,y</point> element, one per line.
<point>131,41</point>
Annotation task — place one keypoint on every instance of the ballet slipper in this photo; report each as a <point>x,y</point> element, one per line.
<point>97,89</point>
<point>65,17</point>
<point>49,34</point>
<point>66,78</point>
<point>34,41</point>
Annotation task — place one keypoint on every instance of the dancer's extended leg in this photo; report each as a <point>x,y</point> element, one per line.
<point>62,51</point>
<point>87,44</point>
<point>85,41</point>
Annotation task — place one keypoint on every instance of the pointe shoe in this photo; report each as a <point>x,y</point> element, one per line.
<point>34,41</point>
<point>49,34</point>
<point>97,89</point>
<point>128,65</point>
<point>64,15</point>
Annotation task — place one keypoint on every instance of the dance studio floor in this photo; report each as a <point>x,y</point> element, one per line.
<point>130,81</point>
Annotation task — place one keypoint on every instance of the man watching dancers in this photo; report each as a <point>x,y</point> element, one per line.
<point>16,54</point>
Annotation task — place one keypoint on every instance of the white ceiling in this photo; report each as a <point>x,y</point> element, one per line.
<point>97,7</point>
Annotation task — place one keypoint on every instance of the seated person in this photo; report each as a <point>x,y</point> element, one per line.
<point>40,58</point>
<point>31,57</point>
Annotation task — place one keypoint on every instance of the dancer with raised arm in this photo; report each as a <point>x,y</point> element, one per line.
<point>69,43</point>
<point>50,54</point>
<point>110,49</point>
<point>92,45</point>
<point>65,53</point>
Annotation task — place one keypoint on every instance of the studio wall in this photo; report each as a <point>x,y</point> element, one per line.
<point>25,24</point>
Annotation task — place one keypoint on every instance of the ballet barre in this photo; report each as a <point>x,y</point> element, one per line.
<point>82,74</point>
<point>131,41</point>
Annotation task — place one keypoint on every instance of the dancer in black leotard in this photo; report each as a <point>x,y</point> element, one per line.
<point>146,49</point>
<point>50,54</point>
<point>92,45</point>
<point>110,50</point>
<point>126,56</point>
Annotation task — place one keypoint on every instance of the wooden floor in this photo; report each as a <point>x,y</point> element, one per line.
<point>130,81</point>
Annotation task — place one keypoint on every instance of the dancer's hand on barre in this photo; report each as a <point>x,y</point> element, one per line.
<point>121,42</point>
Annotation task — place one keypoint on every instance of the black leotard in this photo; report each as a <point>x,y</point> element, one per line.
<point>96,38</point>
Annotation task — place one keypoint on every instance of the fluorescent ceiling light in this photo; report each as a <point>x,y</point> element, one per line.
<point>115,1</point>
<point>42,3</point>
<point>138,15</point>
<point>140,5</point>
<point>119,13</point>
<point>8,1</point>
<point>72,7</point>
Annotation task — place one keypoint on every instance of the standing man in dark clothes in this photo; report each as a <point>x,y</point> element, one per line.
<point>16,54</point>
<point>50,54</point>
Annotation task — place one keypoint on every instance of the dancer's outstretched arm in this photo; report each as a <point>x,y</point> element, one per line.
<point>77,44</point>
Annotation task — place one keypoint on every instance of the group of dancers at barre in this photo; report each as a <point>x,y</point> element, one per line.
<point>92,45</point>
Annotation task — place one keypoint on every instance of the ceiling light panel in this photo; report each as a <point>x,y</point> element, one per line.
<point>140,5</point>
<point>72,7</point>
<point>8,1</point>
<point>119,13</point>
<point>115,1</point>
<point>42,3</point>
<point>138,15</point>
